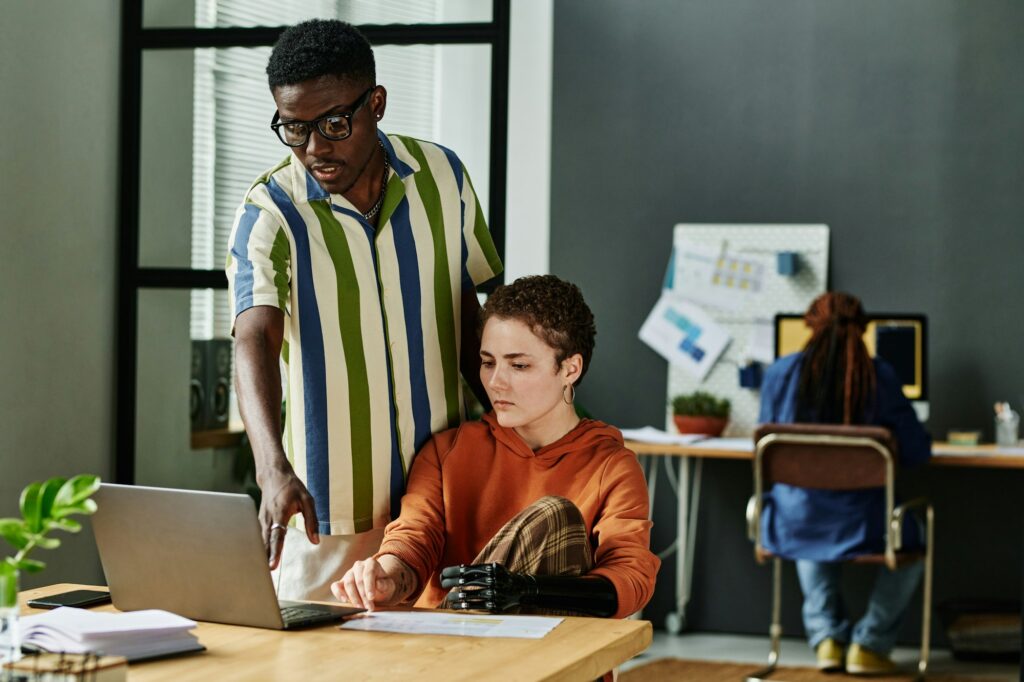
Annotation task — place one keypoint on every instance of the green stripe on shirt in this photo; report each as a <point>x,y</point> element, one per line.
<point>446,332</point>
<point>280,255</point>
<point>350,321</point>
<point>481,234</point>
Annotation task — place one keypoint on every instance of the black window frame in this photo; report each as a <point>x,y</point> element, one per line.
<point>131,277</point>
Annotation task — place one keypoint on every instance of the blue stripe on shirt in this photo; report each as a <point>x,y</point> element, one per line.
<point>314,370</point>
<point>409,280</point>
<point>240,252</point>
<point>460,178</point>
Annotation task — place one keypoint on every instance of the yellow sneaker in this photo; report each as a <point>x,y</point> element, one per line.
<point>861,661</point>
<point>830,655</point>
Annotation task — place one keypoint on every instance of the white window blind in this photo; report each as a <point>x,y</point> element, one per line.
<point>232,107</point>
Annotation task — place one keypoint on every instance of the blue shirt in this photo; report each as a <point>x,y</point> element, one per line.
<point>834,525</point>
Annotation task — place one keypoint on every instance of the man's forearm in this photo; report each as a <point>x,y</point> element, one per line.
<point>258,385</point>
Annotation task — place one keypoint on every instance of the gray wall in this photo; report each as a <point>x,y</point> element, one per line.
<point>897,124</point>
<point>58,70</point>
<point>59,64</point>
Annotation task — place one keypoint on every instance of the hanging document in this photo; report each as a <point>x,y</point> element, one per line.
<point>684,334</point>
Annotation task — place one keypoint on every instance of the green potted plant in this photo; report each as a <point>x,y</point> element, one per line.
<point>44,507</point>
<point>700,412</point>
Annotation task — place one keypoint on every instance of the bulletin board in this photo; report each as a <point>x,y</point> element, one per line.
<point>733,274</point>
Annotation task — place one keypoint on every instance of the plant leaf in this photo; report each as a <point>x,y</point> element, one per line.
<point>29,565</point>
<point>47,495</point>
<point>83,507</point>
<point>8,585</point>
<point>47,543</point>
<point>15,532</point>
<point>79,488</point>
<point>69,525</point>
<point>30,506</point>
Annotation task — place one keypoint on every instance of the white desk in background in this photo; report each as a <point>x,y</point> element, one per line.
<point>688,495</point>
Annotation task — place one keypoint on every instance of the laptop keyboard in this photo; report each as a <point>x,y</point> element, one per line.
<point>298,614</point>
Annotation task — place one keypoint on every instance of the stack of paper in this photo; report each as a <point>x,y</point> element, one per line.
<point>135,635</point>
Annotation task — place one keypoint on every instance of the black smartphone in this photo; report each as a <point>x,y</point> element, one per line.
<point>79,598</point>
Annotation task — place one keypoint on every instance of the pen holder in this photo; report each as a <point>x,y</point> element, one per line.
<point>1007,429</point>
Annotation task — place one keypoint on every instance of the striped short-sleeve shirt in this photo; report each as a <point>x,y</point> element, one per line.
<point>372,319</point>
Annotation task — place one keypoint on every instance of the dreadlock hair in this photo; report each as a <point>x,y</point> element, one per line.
<point>321,47</point>
<point>837,376</point>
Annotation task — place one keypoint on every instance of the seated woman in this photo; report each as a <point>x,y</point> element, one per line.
<point>531,509</point>
<point>834,381</point>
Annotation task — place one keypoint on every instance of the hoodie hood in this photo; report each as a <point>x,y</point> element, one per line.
<point>588,435</point>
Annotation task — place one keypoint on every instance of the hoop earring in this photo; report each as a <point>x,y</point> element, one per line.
<point>572,394</point>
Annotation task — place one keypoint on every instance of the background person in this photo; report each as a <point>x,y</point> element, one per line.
<point>355,262</point>
<point>833,380</point>
<point>538,508</point>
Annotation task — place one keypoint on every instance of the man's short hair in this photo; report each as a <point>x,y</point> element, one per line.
<point>321,47</point>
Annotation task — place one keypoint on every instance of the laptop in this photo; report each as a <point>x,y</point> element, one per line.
<point>195,553</point>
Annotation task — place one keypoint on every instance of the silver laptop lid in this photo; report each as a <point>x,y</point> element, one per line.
<point>195,553</point>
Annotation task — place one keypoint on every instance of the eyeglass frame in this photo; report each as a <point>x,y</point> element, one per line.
<point>276,123</point>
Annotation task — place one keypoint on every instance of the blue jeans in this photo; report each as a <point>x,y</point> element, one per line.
<point>825,614</point>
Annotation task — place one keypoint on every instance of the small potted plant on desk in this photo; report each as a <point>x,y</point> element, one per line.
<point>44,507</point>
<point>700,413</point>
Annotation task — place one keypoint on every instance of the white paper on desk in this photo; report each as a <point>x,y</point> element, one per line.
<point>461,624</point>
<point>684,335</point>
<point>741,444</point>
<point>649,434</point>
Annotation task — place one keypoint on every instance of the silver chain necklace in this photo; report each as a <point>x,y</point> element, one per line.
<point>372,213</point>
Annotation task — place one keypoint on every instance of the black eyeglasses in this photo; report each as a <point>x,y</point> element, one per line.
<point>331,126</point>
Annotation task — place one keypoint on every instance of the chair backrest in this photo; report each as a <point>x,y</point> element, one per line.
<point>825,456</point>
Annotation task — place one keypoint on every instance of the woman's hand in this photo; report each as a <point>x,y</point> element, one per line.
<point>371,583</point>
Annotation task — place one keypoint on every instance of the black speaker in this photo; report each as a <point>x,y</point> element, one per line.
<point>197,387</point>
<point>210,393</point>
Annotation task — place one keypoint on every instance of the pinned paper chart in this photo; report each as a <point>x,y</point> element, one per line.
<point>710,275</point>
<point>741,275</point>
<point>684,335</point>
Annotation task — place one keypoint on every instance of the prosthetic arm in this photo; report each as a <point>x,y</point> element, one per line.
<point>492,587</point>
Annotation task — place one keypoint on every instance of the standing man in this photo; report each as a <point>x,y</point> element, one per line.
<point>354,263</point>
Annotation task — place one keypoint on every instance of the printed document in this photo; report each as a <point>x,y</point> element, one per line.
<point>684,335</point>
<point>461,624</point>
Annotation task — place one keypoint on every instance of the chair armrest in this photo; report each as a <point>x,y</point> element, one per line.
<point>753,518</point>
<point>899,514</point>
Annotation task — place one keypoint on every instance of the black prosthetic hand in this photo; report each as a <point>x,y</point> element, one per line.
<point>492,587</point>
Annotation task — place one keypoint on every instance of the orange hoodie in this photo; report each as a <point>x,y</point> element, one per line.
<point>466,483</point>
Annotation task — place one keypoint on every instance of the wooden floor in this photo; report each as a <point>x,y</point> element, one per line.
<point>746,649</point>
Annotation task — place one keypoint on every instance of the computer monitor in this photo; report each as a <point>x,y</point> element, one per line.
<point>902,340</point>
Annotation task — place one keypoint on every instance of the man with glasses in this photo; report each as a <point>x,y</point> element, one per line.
<point>355,262</point>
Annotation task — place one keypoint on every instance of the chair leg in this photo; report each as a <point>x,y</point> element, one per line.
<point>775,631</point>
<point>926,594</point>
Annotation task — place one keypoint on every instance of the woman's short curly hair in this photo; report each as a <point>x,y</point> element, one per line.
<point>321,47</point>
<point>553,309</point>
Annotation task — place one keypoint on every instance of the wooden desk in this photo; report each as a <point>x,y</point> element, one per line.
<point>943,455</point>
<point>578,649</point>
